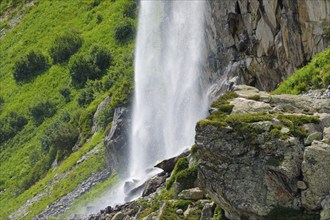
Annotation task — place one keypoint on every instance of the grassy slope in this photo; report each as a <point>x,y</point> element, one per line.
<point>315,75</point>
<point>37,30</point>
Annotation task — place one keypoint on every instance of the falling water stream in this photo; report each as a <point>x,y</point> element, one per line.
<point>170,94</point>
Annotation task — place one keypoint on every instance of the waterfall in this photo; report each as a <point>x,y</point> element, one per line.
<point>170,94</point>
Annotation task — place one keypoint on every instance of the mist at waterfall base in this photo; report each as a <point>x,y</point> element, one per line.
<point>170,94</point>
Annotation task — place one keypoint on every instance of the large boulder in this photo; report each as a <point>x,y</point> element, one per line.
<point>252,163</point>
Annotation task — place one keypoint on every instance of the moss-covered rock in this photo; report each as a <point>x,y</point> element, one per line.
<point>250,159</point>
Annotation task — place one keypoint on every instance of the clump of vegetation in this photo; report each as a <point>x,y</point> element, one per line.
<point>89,66</point>
<point>41,111</point>
<point>255,97</point>
<point>131,9</point>
<point>29,66</point>
<point>65,45</point>
<point>315,75</point>
<point>294,122</point>
<point>224,99</point>
<point>186,178</point>
<point>181,165</point>
<point>124,32</point>
<point>11,125</point>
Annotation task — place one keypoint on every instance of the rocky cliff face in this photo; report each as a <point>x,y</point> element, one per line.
<point>259,152</point>
<point>262,42</point>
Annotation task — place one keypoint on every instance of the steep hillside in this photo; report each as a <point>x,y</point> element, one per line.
<point>57,64</point>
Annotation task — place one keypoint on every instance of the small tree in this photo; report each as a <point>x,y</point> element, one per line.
<point>101,56</point>
<point>124,32</point>
<point>41,111</point>
<point>64,46</point>
<point>29,66</point>
<point>81,68</point>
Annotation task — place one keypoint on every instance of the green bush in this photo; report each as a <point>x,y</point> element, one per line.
<point>41,111</point>
<point>130,9</point>
<point>66,93</point>
<point>82,68</point>
<point>315,75</point>
<point>124,32</point>
<point>85,97</point>
<point>29,66</point>
<point>58,139</point>
<point>64,46</point>
<point>101,57</point>
<point>90,66</point>
<point>11,125</point>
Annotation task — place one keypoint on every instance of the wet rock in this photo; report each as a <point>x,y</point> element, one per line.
<point>116,140</point>
<point>168,164</point>
<point>153,184</point>
<point>118,216</point>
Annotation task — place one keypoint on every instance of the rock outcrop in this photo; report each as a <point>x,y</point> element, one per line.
<point>262,42</point>
<point>116,140</point>
<point>258,156</point>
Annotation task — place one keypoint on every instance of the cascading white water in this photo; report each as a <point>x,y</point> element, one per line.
<point>170,95</point>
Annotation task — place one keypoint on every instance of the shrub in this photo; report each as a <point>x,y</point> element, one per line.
<point>85,97</point>
<point>82,68</point>
<point>41,111</point>
<point>11,125</point>
<point>29,66</point>
<point>101,57</point>
<point>65,92</point>
<point>64,46</point>
<point>130,9</point>
<point>2,101</point>
<point>89,66</point>
<point>59,138</point>
<point>315,75</point>
<point>124,32</point>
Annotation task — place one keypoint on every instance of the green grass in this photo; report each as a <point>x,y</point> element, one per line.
<point>315,75</point>
<point>75,174</point>
<point>23,155</point>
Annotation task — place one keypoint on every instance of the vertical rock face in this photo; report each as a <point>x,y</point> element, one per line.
<point>116,140</point>
<point>261,42</point>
